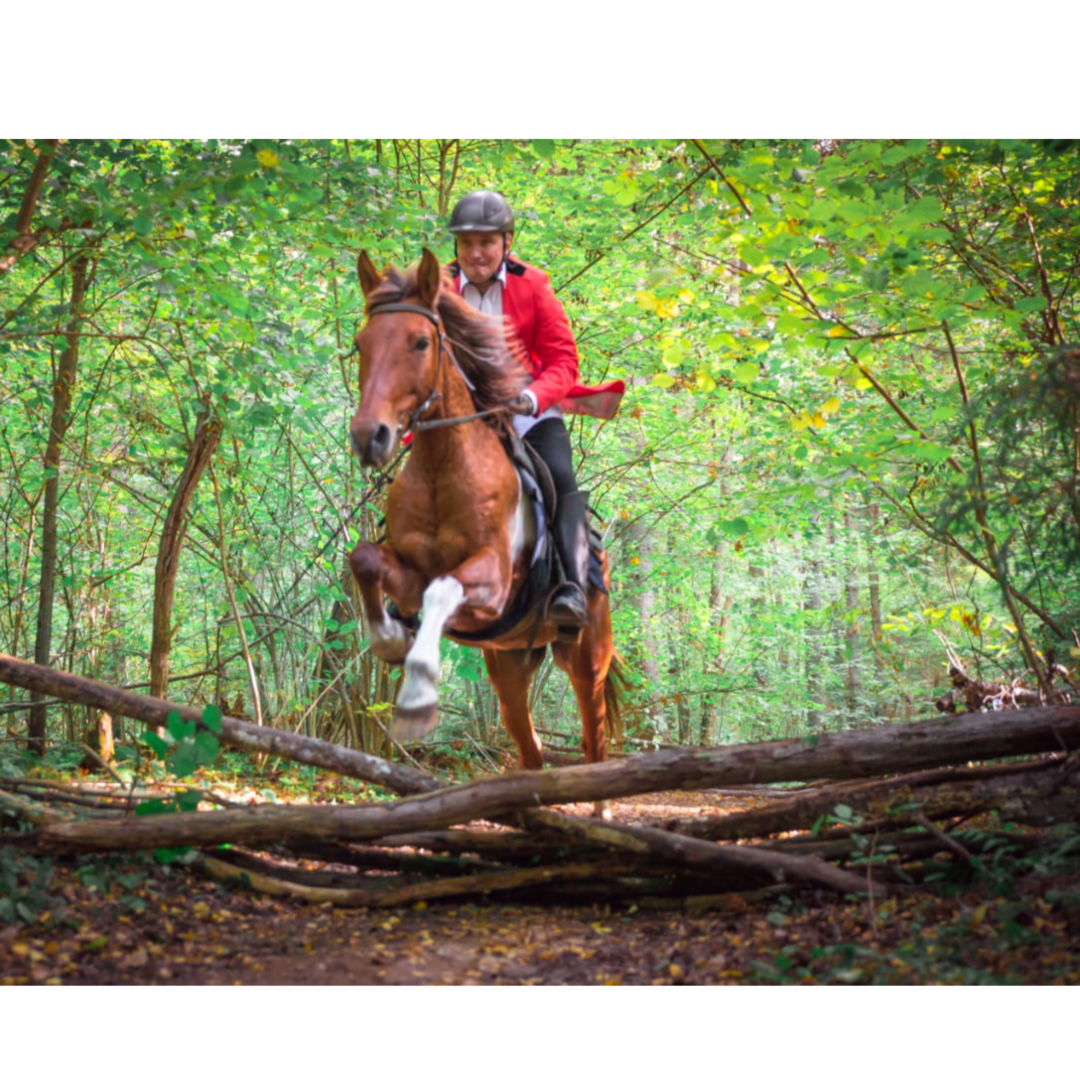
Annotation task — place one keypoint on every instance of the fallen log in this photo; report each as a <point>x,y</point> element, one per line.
<point>252,738</point>
<point>722,860</point>
<point>886,749</point>
<point>397,896</point>
<point>937,793</point>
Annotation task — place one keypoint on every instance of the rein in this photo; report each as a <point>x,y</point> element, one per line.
<point>415,422</point>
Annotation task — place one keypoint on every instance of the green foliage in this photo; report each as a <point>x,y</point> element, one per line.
<point>24,886</point>
<point>790,487</point>
<point>183,749</point>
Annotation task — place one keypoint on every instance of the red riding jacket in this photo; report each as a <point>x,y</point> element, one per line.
<point>540,324</point>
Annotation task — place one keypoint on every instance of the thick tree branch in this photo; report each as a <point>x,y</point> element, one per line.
<point>25,240</point>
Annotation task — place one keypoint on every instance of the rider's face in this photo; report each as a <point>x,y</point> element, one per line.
<point>480,254</point>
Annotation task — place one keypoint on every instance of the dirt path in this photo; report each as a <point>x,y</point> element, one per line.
<point>132,922</point>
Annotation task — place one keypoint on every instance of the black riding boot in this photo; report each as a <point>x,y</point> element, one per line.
<point>569,608</point>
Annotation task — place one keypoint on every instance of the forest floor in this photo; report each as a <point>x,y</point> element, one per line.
<point>127,920</point>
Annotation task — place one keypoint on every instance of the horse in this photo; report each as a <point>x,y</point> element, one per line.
<point>459,528</point>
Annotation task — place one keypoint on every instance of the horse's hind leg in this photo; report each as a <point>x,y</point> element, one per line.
<point>587,663</point>
<point>510,672</point>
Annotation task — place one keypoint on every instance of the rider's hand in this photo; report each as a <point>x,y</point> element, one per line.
<point>523,405</point>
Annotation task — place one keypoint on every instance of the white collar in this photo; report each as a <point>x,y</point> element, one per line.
<point>500,277</point>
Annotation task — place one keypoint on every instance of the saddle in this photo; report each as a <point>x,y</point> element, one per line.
<point>545,573</point>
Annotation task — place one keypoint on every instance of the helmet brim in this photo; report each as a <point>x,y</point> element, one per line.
<point>477,228</point>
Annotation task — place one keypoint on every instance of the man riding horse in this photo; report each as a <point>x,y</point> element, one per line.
<point>459,557</point>
<point>496,284</point>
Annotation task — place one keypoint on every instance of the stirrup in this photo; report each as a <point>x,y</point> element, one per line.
<point>568,608</point>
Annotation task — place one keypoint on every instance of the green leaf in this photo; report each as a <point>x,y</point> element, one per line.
<point>663,380</point>
<point>211,717</point>
<point>156,743</point>
<point>142,225</point>
<point>184,760</point>
<point>187,802</point>
<point>675,354</point>
<point>544,148</point>
<point>178,727</point>
<point>930,451</point>
<point>747,372</point>
<point>1030,303</point>
<point>171,855</point>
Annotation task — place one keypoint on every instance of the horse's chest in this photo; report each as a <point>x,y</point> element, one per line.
<point>435,528</point>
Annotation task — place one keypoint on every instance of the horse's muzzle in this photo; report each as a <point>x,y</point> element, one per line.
<point>374,445</point>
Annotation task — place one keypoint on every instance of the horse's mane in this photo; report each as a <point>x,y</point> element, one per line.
<point>485,347</point>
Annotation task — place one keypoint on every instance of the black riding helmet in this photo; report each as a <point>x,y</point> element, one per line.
<point>482,211</point>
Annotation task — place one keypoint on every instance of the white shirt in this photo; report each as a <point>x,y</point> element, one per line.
<point>490,303</point>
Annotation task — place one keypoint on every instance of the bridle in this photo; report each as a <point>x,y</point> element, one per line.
<point>416,423</point>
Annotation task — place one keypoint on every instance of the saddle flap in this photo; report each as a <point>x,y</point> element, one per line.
<point>526,458</point>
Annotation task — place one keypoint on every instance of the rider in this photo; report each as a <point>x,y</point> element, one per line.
<point>496,284</point>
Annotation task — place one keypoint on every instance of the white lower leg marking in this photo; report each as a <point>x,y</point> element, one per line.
<point>420,687</point>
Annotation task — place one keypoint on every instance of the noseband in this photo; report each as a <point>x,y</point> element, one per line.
<point>415,419</point>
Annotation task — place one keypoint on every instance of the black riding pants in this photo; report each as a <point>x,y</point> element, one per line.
<point>551,441</point>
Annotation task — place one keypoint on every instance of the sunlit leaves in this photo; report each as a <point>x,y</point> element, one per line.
<point>747,372</point>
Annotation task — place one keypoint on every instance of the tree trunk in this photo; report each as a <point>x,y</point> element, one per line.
<point>63,389</point>
<point>207,435</point>
<point>677,632</point>
<point>813,631</point>
<point>853,680</point>
<point>720,605</point>
<point>26,240</point>
<point>874,587</point>
<point>639,554</point>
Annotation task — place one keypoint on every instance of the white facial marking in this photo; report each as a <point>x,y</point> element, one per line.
<point>420,686</point>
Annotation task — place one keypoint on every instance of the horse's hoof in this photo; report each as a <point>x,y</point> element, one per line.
<point>413,722</point>
<point>602,810</point>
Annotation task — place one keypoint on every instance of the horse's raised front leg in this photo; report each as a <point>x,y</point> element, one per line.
<point>510,673</point>
<point>476,584</point>
<point>377,568</point>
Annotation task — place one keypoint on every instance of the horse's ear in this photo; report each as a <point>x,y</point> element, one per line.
<point>369,276</point>
<point>429,278</point>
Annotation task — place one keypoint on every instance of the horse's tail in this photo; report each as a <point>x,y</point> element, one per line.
<point>615,687</point>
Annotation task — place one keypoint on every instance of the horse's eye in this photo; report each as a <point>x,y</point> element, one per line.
<point>422,344</point>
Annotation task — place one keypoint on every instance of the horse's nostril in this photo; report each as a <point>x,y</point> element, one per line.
<point>380,440</point>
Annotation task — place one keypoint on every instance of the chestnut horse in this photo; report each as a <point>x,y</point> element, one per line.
<point>459,528</point>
